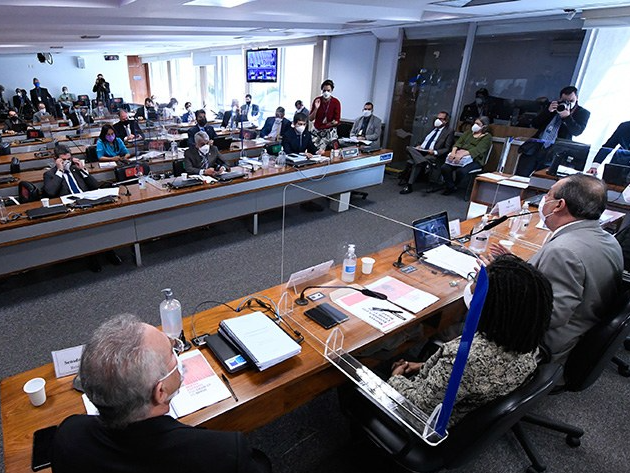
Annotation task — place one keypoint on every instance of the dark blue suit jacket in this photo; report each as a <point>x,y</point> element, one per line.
<point>266,129</point>
<point>191,134</point>
<point>621,137</point>
<point>291,142</point>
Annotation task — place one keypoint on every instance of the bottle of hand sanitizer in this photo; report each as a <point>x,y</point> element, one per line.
<point>349,265</point>
<point>171,314</point>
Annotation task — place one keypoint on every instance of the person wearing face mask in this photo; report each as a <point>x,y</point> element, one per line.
<point>367,126</point>
<point>483,106</point>
<point>325,114</point>
<point>432,149</point>
<point>130,371</point>
<point>275,127</point>
<point>503,352</point>
<point>562,119</point>
<point>170,108</point>
<point>42,115</point>
<point>300,108</point>
<point>109,147</point>
<point>467,154</point>
<point>40,95</point>
<point>100,111</point>
<point>22,104</point>
<point>582,261</point>
<point>66,99</point>
<point>14,124</point>
<point>147,111</point>
<point>232,117</point>
<point>127,130</point>
<point>189,116</point>
<point>67,176</point>
<point>250,110</point>
<point>202,125</point>
<point>102,90</point>
<point>298,139</point>
<point>204,157</point>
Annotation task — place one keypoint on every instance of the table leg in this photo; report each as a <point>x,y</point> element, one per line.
<point>254,228</point>
<point>341,202</point>
<point>138,254</point>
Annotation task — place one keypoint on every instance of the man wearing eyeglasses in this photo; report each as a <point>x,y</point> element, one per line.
<point>130,371</point>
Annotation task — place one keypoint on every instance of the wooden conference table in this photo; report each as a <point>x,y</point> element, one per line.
<point>151,213</point>
<point>263,396</point>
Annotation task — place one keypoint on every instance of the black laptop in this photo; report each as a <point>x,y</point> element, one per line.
<point>431,232</point>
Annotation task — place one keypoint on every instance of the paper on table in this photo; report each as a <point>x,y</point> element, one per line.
<point>519,179</point>
<point>447,258</point>
<point>475,210</point>
<point>362,307</point>
<point>493,176</point>
<point>108,164</point>
<point>517,184</point>
<point>404,295</point>
<point>95,194</point>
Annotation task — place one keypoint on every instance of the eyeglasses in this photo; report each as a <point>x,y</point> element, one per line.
<point>177,348</point>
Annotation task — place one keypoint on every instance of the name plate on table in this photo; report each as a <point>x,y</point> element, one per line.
<point>67,361</point>
<point>349,153</point>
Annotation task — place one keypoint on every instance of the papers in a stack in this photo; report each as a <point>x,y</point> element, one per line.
<point>447,258</point>
<point>260,339</point>
<point>465,161</point>
<point>95,194</point>
<point>404,295</point>
<point>201,387</point>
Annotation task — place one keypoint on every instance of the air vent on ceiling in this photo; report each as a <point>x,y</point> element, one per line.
<point>56,47</point>
<point>360,22</point>
<point>469,3</point>
<point>87,36</point>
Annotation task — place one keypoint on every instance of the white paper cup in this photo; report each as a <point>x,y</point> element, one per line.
<point>45,202</point>
<point>367,264</point>
<point>507,244</point>
<point>184,175</point>
<point>36,391</point>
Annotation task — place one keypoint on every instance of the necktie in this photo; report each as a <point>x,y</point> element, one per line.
<point>432,138</point>
<point>204,161</point>
<point>73,186</point>
<point>128,130</point>
<point>300,149</point>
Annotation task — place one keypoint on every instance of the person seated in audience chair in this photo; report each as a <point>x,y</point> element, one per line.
<point>513,321</point>
<point>297,139</point>
<point>204,157</point>
<point>368,126</point>
<point>109,147</point>
<point>275,127</point>
<point>42,115</point>
<point>127,130</point>
<point>130,371</point>
<point>100,111</point>
<point>467,155</point>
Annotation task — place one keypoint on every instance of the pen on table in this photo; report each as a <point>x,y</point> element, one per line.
<point>394,312</point>
<point>229,386</point>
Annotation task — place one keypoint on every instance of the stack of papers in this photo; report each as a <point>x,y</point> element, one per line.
<point>382,315</point>
<point>95,194</point>
<point>403,295</point>
<point>447,258</point>
<point>259,339</point>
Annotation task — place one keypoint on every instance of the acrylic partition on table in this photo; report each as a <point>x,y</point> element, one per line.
<point>344,312</point>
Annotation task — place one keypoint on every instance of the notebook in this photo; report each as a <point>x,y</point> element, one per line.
<point>259,339</point>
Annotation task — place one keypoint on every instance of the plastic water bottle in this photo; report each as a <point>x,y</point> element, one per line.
<point>264,158</point>
<point>520,224</point>
<point>171,314</point>
<point>349,265</point>
<point>174,149</point>
<point>479,241</point>
<point>3,212</point>
<point>142,179</point>
<point>281,160</point>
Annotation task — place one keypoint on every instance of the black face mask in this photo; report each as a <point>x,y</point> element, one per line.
<point>202,122</point>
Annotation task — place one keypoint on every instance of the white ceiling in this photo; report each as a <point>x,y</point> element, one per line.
<point>157,26</point>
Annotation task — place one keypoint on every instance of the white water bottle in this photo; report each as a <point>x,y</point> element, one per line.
<point>171,314</point>
<point>3,212</point>
<point>264,158</point>
<point>480,237</point>
<point>349,265</point>
<point>281,159</point>
<point>526,217</point>
<point>174,149</point>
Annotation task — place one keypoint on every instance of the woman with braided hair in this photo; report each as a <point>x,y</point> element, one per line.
<point>514,318</point>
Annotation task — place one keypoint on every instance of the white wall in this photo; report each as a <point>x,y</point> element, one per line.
<point>364,70</point>
<point>19,70</point>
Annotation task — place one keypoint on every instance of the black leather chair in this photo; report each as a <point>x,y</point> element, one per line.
<point>475,432</point>
<point>90,154</point>
<point>124,173</point>
<point>28,192</point>
<point>178,167</point>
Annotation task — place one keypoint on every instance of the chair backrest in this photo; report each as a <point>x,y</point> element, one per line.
<point>124,173</point>
<point>90,154</point>
<point>178,167</point>
<point>596,348</point>
<point>28,192</point>
<point>476,431</point>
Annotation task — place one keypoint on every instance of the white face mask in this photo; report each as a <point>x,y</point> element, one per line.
<point>326,94</point>
<point>180,370</point>
<point>204,149</point>
<point>367,113</point>
<point>300,129</point>
<point>189,110</point>
<point>468,294</point>
<point>541,210</point>
<point>476,128</point>
<point>278,119</point>
<point>438,123</point>
<point>66,165</point>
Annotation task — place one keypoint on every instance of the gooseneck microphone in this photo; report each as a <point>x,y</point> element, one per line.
<point>366,292</point>
<point>499,221</point>
<point>398,263</point>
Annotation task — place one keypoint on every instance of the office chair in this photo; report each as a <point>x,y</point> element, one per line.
<point>472,175</point>
<point>124,173</point>
<point>90,154</point>
<point>474,433</point>
<point>28,192</point>
<point>178,167</point>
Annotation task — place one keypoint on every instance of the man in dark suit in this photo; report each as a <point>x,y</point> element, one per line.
<point>275,127</point>
<point>432,149</point>
<point>14,124</point>
<point>297,139</point>
<point>249,110</point>
<point>483,106</point>
<point>101,89</point>
<point>130,371</point>
<point>127,130</point>
<point>620,137</point>
<point>204,157</point>
<point>564,119</point>
<point>68,176</point>
<point>202,124</point>
<point>39,95</point>
<point>147,111</point>
<point>232,117</point>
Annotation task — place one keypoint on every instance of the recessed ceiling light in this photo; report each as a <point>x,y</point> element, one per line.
<point>56,47</point>
<point>360,22</point>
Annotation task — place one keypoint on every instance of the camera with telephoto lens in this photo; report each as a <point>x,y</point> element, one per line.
<point>562,106</point>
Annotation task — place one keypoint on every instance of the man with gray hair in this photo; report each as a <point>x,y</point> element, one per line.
<point>204,158</point>
<point>130,372</point>
<point>582,261</point>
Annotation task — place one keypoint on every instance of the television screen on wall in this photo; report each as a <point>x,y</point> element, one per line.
<point>262,65</point>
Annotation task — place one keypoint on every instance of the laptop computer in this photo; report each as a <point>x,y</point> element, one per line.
<point>431,232</point>
<point>228,176</point>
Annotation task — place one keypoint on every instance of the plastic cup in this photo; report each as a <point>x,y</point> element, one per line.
<point>45,202</point>
<point>507,244</point>
<point>36,391</point>
<point>184,175</point>
<point>367,264</point>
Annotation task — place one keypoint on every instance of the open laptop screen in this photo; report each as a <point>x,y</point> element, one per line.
<point>435,232</point>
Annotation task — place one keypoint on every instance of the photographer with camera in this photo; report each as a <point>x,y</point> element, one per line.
<point>101,88</point>
<point>564,119</point>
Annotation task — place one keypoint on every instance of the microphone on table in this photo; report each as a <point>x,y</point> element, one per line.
<point>499,221</point>
<point>406,251</point>
<point>366,292</point>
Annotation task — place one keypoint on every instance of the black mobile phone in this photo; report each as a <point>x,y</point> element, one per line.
<point>42,447</point>
<point>326,315</point>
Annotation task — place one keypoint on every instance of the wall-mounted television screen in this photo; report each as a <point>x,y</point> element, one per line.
<point>262,65</point>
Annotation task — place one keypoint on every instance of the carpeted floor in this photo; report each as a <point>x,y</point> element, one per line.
<point>59,306</point>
